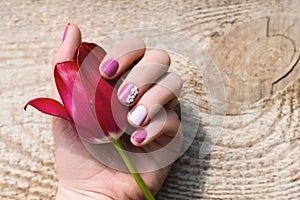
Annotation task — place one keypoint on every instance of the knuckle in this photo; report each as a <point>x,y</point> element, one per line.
<point>176,81</point>
<point>136,41</point>
<point>162,55</point>
<point>173,116</point>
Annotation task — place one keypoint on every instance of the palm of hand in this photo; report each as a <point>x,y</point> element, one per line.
<point>78,170</point>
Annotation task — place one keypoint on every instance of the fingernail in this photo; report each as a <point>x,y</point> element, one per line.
<point>139,136</point>
<point>65,32</point>
<point>138,115</point>
<point>128,93</point>
<point>110,67</point>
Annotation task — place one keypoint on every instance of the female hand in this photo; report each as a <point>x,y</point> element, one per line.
<point>80,175</point>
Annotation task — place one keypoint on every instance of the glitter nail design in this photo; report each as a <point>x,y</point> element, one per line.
<point>133,93</point>
<point>128,93</point>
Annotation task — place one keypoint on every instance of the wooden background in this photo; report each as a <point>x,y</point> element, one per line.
<point>255,45</point>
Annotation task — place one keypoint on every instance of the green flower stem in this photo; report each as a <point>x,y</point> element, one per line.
<point>117,143</point>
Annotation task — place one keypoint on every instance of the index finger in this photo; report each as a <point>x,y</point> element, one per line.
<point>121,57</point>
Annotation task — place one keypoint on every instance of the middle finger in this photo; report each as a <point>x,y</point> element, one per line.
<point>151,67</point>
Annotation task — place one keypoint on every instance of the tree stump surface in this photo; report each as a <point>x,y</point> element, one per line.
<point>254,44</point>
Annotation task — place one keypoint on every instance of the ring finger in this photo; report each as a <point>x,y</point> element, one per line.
<point>166,89</point>
<point>151,67</point>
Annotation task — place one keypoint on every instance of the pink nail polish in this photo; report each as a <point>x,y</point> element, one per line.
<point>139,136</point>
<point>128,93</point>
<point>138,115</point>
<point>65,32</point>
<point>110,67</point>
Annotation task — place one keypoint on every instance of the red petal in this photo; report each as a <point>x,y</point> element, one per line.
<point>78,99</point>
<point>98,51</point>
<point>83,51</point>
<point>87,97</point>
<point>83,95</point>
<point>50,107</point>
<point>65,74</point>
<point>89,57</point>
<point>84,115</point>
<point>111,114</point>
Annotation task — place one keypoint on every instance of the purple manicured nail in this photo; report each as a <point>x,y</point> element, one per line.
<point>139,136</point>
<point>138,115</point>
<point>110,67</point>
<point>128,93</point>
<point>65,32</point>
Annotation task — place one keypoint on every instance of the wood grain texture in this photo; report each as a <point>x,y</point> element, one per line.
<point>256,156</point>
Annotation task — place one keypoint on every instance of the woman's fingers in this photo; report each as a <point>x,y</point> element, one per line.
<point>165,90</point>
<point>151,67</point>
<point>163,128</point>
<point>122,57</point>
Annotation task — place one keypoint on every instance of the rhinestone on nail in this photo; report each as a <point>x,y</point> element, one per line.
<point>133,93</point>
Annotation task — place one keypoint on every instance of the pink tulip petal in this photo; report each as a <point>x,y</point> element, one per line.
<point>111,114</point>
<point>83,95</point>
<point>65,75</point>
<point>87,97</point>
<point>50,107</point>
<point>100,91</point>
<point>84,50</point>
<point>84,115</point>
<point>88,63</point>
<point>77,95</point>
<point>98,51</point>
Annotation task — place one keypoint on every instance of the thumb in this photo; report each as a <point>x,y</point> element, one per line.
<point>62,129</point>
<point>70,42</point>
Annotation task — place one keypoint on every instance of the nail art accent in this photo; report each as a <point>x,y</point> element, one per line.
<point>110,67</point>
<point>66,31</point>
<point>138,115</point>
<point>139,136</point>
<point>128,93</point>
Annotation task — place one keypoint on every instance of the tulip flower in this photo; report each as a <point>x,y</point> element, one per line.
<point>88,99</point>
<point>89,103</point>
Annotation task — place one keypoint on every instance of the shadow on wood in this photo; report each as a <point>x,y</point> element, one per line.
<point>186,179</point>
